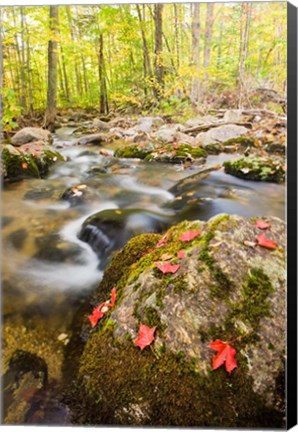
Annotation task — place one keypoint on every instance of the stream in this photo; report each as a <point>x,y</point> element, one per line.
<point>47,271</point>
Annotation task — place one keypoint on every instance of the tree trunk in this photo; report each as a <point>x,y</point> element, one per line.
<point>50,114</point>
<point>177,35</point>
<point>103,97</point>
<point>76,67</point>
<point>195,32</point>
<point>208,36</point>
<point>63,65</point>
<point>158,66</point>
<point>28,66</point>
<point>246,9</point>
<point>23,63</point>
<point>146,57</point>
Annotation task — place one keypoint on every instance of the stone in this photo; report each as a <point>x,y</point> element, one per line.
<point>224,290</point>
<point>109,230</point>
<point>147,124</point>
<point>29,160</point>
<point>220,134</point>
<point>96,139</point>
<point>100,125</point>
<point>233,116</point>
<point>257,168</point>
<point>30,134</point>
<point>200,121</point>
<point>139,151</point>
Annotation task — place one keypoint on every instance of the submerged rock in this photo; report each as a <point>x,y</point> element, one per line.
<point>224,289</point>
<point>27,374</point>
<point>257,168</point>
<point>30,134</point>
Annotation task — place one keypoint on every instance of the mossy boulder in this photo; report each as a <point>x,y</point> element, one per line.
<point>224,289</point>
<point>138,151</point>
<point>177,154</point>
<point>257,168</point>
<point>30,160</point>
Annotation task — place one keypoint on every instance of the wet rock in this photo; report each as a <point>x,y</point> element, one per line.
<point>30,134</point>
<point>275,148</point>
<point>139,151</point>
<point>223,290</point>
<point>97,139</point>
<point>18,237</point>
<point>191,182</point>
<point>6,220</point>
<point>147,124</point>
<point>40,193</point>
<point>29,160</point>
<point>54,249</point>
<point>27,374</point>
<point>178,154</point>
<point>257,168</point>
<point>214,149</point>
<point>220,134</point>
<point>76,195</point>
<point>109,230</point>
<point>100,125</point>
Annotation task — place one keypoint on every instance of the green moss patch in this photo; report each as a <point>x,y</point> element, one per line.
<point>257,168</point>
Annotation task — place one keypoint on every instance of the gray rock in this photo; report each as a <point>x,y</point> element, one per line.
<point>30,134</point>
<point>220,134</point>
<point>200,121</point>
<point>100,125</point>
<point>97,139</point>
<point>233,116</point>
<point>147,124</point>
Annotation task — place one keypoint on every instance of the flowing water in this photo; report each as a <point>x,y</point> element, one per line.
<point>47,271</point>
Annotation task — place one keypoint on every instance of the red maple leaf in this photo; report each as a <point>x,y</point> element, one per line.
<point>262,224</point>
<point>167,267</point>
<point>102,308</point>
<point>226,355</point>
<point>181,254</point>
<point>189,235</point>
<point>267,243</point>
<point>146,336</point>
<point>163,240</point>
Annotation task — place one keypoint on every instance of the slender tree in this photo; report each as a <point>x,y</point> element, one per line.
<point>50,114</point>
<point>246,9</point>
<point>158,62</point>
<point>103,96</point>
<point>195,32</point>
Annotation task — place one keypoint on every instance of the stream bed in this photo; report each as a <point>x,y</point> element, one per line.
<point>47,271</point>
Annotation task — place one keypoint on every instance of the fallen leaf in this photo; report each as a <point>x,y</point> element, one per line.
<point>163,240</point>
<point>82,186</point>
<point>181,254</point>
<point>189,235</point>
<point>104,152</point>
<point>119,212</point>
<point>96,316</point>
<point>146,336</point>
<point>24,165</point>
<point>267,243</point>
<point>245,170</point>
<point>167,267</point>
<point>262,224</point>
<point>166,256</point>
<point>226,355</point>
<point>102,308</point>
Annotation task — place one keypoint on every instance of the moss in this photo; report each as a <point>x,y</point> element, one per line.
<point>179,153</point>
<point>179,284</point>
<point>133,152</point>
<point>174,393</point>
<point>118,271</point>
<point>254,305</point>
<point>256,168</point>
<point>243,140</point>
